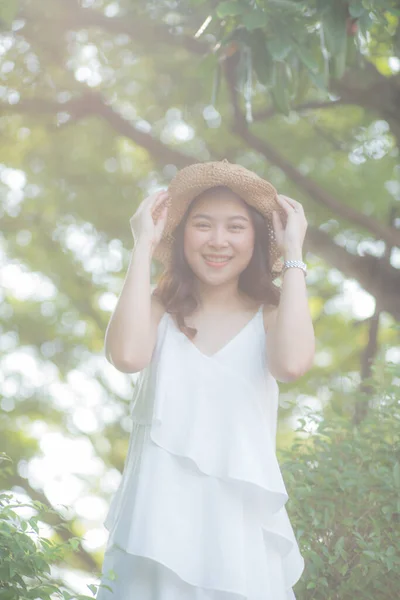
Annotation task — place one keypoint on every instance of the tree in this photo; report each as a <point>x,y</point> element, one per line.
<point>102,102</point>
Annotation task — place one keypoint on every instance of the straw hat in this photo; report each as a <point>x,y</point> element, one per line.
<point>196,178</point>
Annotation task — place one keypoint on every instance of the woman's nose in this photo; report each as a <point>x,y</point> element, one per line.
<point>218,237</point>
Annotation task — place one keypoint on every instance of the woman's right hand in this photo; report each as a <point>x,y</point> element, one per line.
<point>148,222</point>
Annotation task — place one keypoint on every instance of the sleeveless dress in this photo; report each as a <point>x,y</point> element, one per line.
<point>200,510</point>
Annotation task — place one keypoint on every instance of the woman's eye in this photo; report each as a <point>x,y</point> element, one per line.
<point>206,225</point>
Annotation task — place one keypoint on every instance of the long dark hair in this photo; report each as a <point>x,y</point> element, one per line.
<point>175,288</point>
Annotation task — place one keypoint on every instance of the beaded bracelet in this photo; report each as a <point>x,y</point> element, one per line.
<point>294,263</point>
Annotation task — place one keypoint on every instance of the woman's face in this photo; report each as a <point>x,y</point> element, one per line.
<point>218,237</point>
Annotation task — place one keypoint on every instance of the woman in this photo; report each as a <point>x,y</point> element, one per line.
<point>199,513</point>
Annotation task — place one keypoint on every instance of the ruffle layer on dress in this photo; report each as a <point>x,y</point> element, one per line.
<point>200,511</point>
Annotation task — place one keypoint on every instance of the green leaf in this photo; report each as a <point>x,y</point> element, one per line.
<point>319,80</point>
<point>293,80</point>
<point>216,84</point>
<point>356,8</point>
<point>394,11</point>
<point>33,524</point>
<point>279,48</point>
<point>231,8</point>
<point>334,27</point>
<point>288,5</point>
<point>255,20</point>
<point>339,64</point>
<point>339,543</point>
<point>107,587</point>
<point>311,585</point>
<point>280,91</point>
<point>263,63</point>
<point>396,474</point>
<point>74,543</point>
<point>243,66</point>
<point>307,58</point>
<point>333,22</point>
<point>92,588</point>
<point>364,23</point>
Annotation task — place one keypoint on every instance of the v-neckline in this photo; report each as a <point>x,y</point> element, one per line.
<point>228,343</point>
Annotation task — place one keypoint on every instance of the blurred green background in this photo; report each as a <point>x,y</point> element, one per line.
<point>100,103</point>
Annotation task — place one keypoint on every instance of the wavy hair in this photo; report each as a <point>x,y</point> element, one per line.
<point>176,288</point>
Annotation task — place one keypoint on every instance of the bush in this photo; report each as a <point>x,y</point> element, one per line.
<point>25,557</point>
<point>344,488</point>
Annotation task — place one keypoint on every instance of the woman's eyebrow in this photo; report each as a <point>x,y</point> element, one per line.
<point>204,216</point>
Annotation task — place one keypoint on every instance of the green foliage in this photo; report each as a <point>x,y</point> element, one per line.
<point>93,110</point>
<point>25,556</point>
<point>326,37</point>
<point>344,488</point>
<point>231,8</point>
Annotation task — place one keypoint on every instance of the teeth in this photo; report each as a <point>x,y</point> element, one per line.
<point>222,259</point>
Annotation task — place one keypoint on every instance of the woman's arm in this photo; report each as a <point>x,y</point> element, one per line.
<point>132,331</point>
<point>290,339</point>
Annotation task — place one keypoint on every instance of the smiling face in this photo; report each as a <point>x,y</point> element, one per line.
<point>218,237</point>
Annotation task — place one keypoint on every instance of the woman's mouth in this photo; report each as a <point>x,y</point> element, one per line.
<point>216,261</point>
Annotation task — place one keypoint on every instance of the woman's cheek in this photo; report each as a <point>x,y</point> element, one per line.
<point>244,243</point>
<point>194,241</point>
<point>199,239</point>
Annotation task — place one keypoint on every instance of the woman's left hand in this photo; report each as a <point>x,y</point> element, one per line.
<point>292,236</point>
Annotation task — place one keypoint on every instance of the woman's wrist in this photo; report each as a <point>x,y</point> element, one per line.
<point>144,242</point>
<point>143,247</point>
<point>293,254</point>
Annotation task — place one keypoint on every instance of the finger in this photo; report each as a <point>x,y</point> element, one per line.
<point>160,209</point>
<point>155,198</point>
<point>161,220</point>
<point>293,203</point>
<point>160,196</point>
<point>284,203</point>
<point>286,200</point>
<point>159,214</point>
<point>159,200</point>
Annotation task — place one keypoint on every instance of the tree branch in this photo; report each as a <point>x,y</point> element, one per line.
<point>373,274</point>
<point>139,29</point>
<point>91,104</point>
<point>364,86</point>
<point>376,92</point>
<point>385,232</point>
<point>368,88</point>
<point>362,405</point>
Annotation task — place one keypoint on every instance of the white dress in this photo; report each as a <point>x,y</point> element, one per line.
<point>200,510</point>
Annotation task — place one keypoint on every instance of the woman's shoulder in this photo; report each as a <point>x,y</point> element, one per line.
<point>158,310</point>
<point>269,311</point>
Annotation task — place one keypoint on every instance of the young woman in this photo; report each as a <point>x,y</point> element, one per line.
<point>200,510</point>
